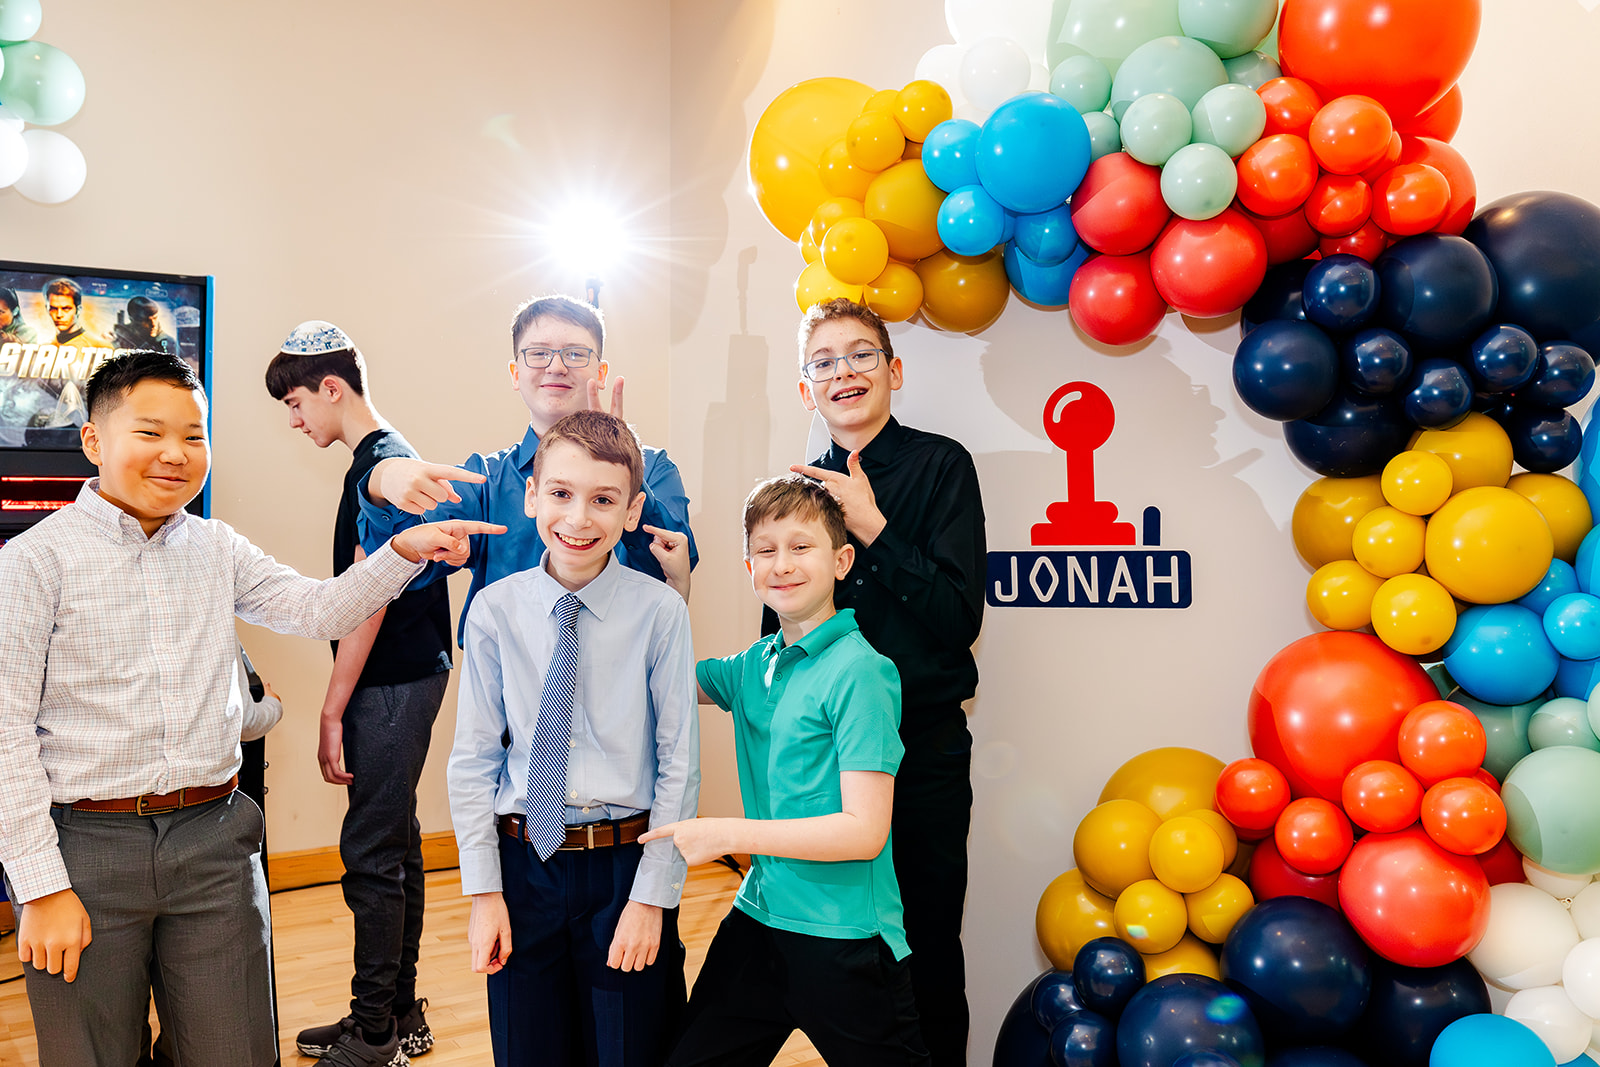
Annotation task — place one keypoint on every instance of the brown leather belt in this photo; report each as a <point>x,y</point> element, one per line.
<point>602,834</point>
<point>159,803</point>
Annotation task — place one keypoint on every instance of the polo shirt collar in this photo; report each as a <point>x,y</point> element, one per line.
<point>118,524</point>
<point>525,450</point>
<point>879,451</point>
<point>812,644</point>
<point>597,596</point>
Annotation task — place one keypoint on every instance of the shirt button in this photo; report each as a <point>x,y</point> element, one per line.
<point>677,885</point>
<point>572,796</point>
<point>874,568</point>
<point>859,581</point>
<point>586,811</point>
<point>572,742</point>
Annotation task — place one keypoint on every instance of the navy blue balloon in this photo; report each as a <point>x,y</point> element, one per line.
<point>1375,361</point>
<point>1278,297</point>
<point>1436,290</point>
<point>1054,998</point>
<point>1503,358</point>
<point>1179,1014</point>
<point>1047,286</point>
<point>1497,406</point>
<point>1286,370</point>
<point>1084,1039</point>
<point>1047,237</point>
<point>1107,972</point>
<point>1545,248</point>
<point>1022,1042</point>
<point>950,154</point>
<point>1301,968</point>
<point>1341,292</point>
<point>1543,440</point>
<point>1205,1059</point>
<point>1564,376</point>
<point>1353,436</point>
<point>1439,394</point>
<point>1320,1056</point>
<point>1410,1006</point>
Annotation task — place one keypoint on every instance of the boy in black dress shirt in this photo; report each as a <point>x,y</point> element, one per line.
<point>913,511</point>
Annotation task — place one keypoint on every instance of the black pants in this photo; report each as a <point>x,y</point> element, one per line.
<point>386,733</point>
<point>932,816</point>
<point>852,998</point>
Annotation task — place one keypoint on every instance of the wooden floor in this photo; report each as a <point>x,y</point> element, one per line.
<point>312,940</point>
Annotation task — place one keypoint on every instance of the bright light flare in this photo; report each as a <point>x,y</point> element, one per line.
<point>587,237</point>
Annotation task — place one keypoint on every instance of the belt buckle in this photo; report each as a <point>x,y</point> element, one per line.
<point>141,808</point>
<point>590,828</point>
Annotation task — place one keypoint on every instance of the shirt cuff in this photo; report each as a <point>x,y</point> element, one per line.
<point>659,880</point>
<point>38,875</point>
<point>394,569</point>
<point>480,870</point>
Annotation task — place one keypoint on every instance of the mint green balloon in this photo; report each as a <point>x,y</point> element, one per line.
<point>1252,70</point>
<point>1082,81</point>
<point>1269,47</point>
<point>1104,136</point>
<point>1175,65</point>
<point>19,19</point>
<point>1155,126</point>
<point>1230,117</point>
<point>1562,721</point>
<point>1438,675</point>
<point>1198,181</point>
<point>40,83</point>
<point>1505,728</point>
<point>1107,29</point>
<point>1228,27</point>
<point>1552,798</point>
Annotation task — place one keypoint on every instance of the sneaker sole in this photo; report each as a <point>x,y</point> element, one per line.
<point>417,1042</point>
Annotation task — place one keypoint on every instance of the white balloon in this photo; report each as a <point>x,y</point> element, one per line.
<point>1039,79</point>
<point>1561,886</point>
<point>994,70</point>
<point>10,120</point>
<point>1550,1013</point>
<point>1580,975</point>
<point>13,155</point>
<point>973,113</point>
<point>1586,910</point>
<point>56,168</point>
<point>1527,939</point>
<point>942,64</point>
<point>1024,21</point>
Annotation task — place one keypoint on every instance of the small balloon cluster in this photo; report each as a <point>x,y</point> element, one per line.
<point>40,86</point>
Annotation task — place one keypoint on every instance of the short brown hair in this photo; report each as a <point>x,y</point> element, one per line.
<point>605,438</point>
<point>289,371</point>
<point>842,308</point>
<point>793,494</point>
<point>568,309</point>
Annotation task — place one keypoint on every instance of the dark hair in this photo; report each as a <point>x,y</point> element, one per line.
<point>111,383</point>
<point>65,286</point>
<point>288,371</point>
<point>568,309</point>
<point>143,305</point>
<point>604,437</point>
<point>842,308</point>
<point>793,494</point>
<point>8,297</point>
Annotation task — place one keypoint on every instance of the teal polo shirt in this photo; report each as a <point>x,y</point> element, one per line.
<point>803,713</point>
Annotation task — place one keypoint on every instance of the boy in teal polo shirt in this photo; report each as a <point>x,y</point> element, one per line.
<point>815,940</point>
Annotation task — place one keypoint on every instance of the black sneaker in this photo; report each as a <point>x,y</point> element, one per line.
<point>415,1037</point>
<point>317,1040</point>
<point>352,1050</point>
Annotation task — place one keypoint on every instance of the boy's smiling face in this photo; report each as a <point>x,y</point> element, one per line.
<point>556,391</point>
<point>152,451</point>
<point>582,507</point>
<point>793,567</point>
<point>851,401</point>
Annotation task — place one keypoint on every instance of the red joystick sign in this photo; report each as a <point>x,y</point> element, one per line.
<point>1078,418</point>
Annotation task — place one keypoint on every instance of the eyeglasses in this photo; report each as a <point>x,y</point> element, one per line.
<point>540,358</point>
<point>820,370</point>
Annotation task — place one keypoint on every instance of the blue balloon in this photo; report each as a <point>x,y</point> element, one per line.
<point>1286,370</point>
<point>1577,678</point>
<point>1544,440</point>
<point>1503,358</point>
<point>1558,581</point>
<point>1022,1042</point>
<point>1038,284</point>
<point>1353,436</point>
<point>1341,292</point>
<point>1278,297</point>
<point>970,222</point>
<point>1055,997</point>
<point>1319,1056</point>
<point>1178,1014</point>
<point>1301,968</point>
<point>1375,361</point>
<point>1033,152</point>
<point>1586,564</point>
<point>1436,290</point>
<point>1499,654</point>
<point>1205,1058</point>
<point>1410,1006</point>
<point>1586,473</point>
<point>1008,228</point>
<point>1545,248</point>
<point>950,154</point>
<point>1439,394</point>
<point>1489,1041</point>
<point>1107,972</point>
<point>1572,623</point>
<point>1047,237</point>
<point>1564,376</point>
<point>1084,1039</point>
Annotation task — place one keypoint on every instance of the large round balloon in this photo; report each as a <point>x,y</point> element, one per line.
<point>905,205</point>
<point>1300,967</point>
<point>1022,1042</point>
<point>1354,435</point>
<point>1330,701</point>
<point>40,83</point>
<point>1489,545</point>
<point>1499,653</point>
<point>1285,369</point>
<point>1181,1013</point>
<point>1271,877</point>
<point>1032,152</point>
<point>1070,915</point>
<point>1107,972</point>
<point>962,294</point>
<point>789,139</point>
<point>1550,797</point>
<point>1114,299</point>
<point>1169,781</point>
<point>1117,208</point>
<point>1436,290</point>
<point>1410,1006</point>
<point>1413,902</point>
<point>1545,248</point>
<point>1489,1041</point>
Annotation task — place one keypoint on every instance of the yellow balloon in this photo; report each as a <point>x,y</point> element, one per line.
<point>1387,541</point>
<point>788,140</point>
<point>1224,831</point>
<point>1186,854</point>
<point>1190,956</point>
<point>874,141</point>
<point>962,294</point>
<point>833,210</point>
<point>1563,506</point>
<point>808,247</point>
<point>1069,916</point>
<point>1476,448</point>
<point>840,176</point>
<point>913,150</point>
<point>884,100</point>
<point>815,286</point>
<point>921,106</point>
<point>1416,482</point>
<point>1414,614</point>
<point>1214,909</point>
<point>1150,917</point>
<point>906,204</point>
<point>1169,781</point>
<point>855,251</point>
<point>1489,545</point>
<point>1339,594</point>
<point>1111,846</point>
<point>1326,514</point>
<point>896,294</point>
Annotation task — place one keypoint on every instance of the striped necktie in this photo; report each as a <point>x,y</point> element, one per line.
<point>552,736</point>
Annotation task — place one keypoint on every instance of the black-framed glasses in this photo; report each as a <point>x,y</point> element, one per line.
<point>540,358</point>
<point>820,370</point>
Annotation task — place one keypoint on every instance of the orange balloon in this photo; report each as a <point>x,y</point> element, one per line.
<point>1291,105</point>
<point>1251,793</point>
<point>1440,739</point>
<point>1453,165</point>
<point>1391,156</point>
<point>874,141</point>
<point>1313,836</point>
<point>1381,796</point>
<point>905,205</point>
<point>1464,816</point>
<point>1276,174</point>
<point>789,139</point>
<point>1439,121</point>
<point>962,294</point>
<point>1368,241</point>
<point>1350,134</point>
<point>1410,198</point>
<point>840,175</point>
<point>1339,204</point>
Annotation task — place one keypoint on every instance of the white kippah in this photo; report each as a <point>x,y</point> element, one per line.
<point>315,337</point>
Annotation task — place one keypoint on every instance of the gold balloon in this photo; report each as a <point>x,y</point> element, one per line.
<point>1189,956</point>
<point>815,286</point>
<point>1388,541</point>
<point>1563,506</point>
<point>840,176</point>
<point>1413,614</point>
<point>1476,449</point>
<point>1169,781</point>
<point>1417,482</point>
<point>1150,917</point>
<point>1186,854</point>
<point>833,210</point>
<point>1489,545</point>
<point>808,247</point>
<point>1069,916</point>
<point>874,141</point>
<point>789,139</point>
<point>1214,909</point>
<point>962,294</point>
<point>884,100</point>
<point>855,251</point>
<point>1340,593</point>
<point>921,106</point>
<point>1112,845</point>
<point>896,294</point>
<point>906,205</point>
<point>1326,514</point>
<point>1224,830</point>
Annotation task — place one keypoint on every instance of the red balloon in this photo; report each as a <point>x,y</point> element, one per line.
<point>1350,134</point>
<point>1117,208</point>
<point>1464,816</point>
<point>1503,863</point>
<point>1391,156</point>
<point>1209,267</point>
<point>1410,198</point>
<point>1368,242</point>
<point>1482,774</point>
<point>1271,877</point>
<point>1453,165</point>
<point>1251,793</point>
<point>1330,701</point>
<point>1441,121</point>
<point>1313,836</point>
<point>1405,54</point>
<point>1288,237</point>
<point>1440,739</point>
<point>1413,902</point>
<point>1276,174</point>
<point>1114,300</point>
<point>1381,796</point>
<point>1338,204</point>
<point>1291,105</point>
